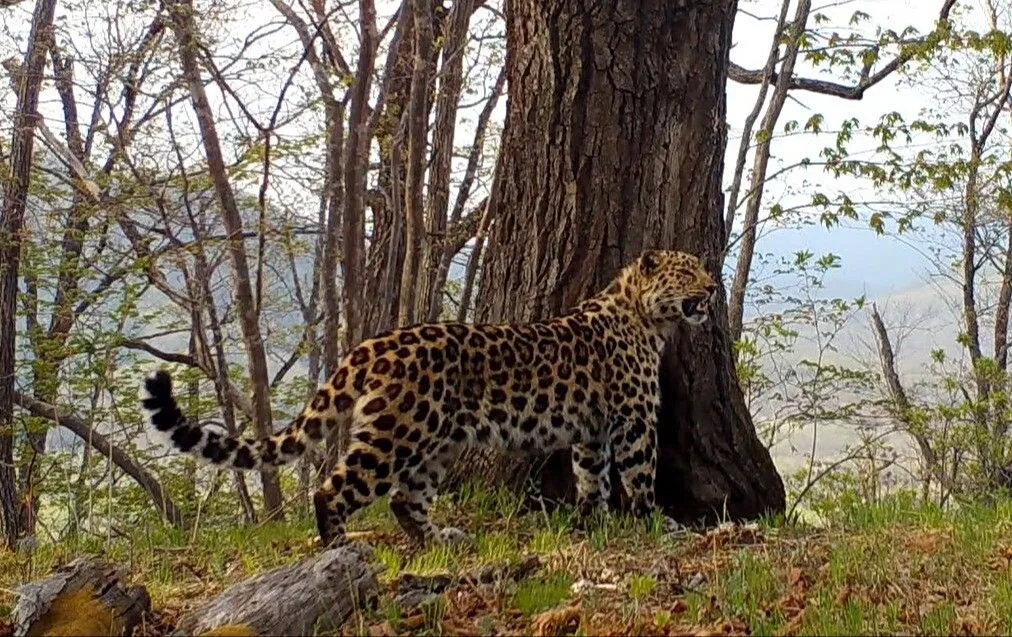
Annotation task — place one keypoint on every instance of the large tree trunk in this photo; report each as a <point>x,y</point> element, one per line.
<point>614,143</point>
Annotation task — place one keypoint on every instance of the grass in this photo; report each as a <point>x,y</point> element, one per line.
<point>894,567</point>
<point>536,595</point>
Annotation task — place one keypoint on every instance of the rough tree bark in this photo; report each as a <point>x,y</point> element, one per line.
<point>12,217</point>
<point>418,109</point>
<point>356,166</point>
<point>315,595</point>
<point>83,597</point>
<point>451,79</point>
<point>614,142</point>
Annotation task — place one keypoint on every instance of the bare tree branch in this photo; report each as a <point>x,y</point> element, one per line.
<point>234,395</point>
<point>159,497</point>
<point>851,92</point>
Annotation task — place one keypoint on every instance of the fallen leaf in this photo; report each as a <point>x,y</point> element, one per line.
<point>413,622</point>
<point>796,577</point>
<point>844,595</point>
<point>793,625</point>
<point>455,626</point>
<point>791,605</point>
<point>383,629</point>
<point>556,622</point>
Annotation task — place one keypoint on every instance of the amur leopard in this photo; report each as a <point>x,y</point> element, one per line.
<point>412,397</point>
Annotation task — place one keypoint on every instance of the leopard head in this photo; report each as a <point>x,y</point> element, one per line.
<point>672,286</point>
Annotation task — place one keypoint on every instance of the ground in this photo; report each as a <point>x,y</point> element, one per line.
<point>896,567</point>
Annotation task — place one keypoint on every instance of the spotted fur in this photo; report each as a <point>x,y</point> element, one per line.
<point>413,397</point>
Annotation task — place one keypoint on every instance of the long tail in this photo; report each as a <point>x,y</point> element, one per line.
<point>310,427</point>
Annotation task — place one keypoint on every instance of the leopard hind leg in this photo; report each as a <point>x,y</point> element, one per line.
<point>360,477</point>
<point>418,480</point>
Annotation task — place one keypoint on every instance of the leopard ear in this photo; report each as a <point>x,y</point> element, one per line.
<point>649,261</point>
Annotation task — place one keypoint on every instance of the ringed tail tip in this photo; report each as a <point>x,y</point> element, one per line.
<point>160,402</point>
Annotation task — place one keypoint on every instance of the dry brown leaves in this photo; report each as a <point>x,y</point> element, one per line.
<point>558,621</point>
<point>927,542</point>
<point>729,535</point>
<point>1002,559</point>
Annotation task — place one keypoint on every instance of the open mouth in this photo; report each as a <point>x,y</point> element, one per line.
<point>694,309</point>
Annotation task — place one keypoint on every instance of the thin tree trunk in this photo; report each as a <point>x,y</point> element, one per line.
<point>11,220</point>
<point>746,133</point>
<point>451,79</point>
<point>739,285</point>
<point>332,243</point>
<point>356,166</point>
<point>387,123</point>
<point>614,143</point>
<point>334,195</point>
<point>471,271</point>
<point>414,227</point>
<point>1001,312</point>
<point>48,348</point>
<point>464,191</point>
<point>901,404</point>
<point>181,14</point>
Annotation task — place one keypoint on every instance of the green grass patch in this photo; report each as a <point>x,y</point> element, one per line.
<point>1001,603</point>
<point>827,617</point>
<point>752,586</point>
<point>536,595</point>
<point>940,620</point>
<point>391,561</point>
<point>641,586</point>
<point>548,541</point>
<point>497,548</point>
<point>435,560</point>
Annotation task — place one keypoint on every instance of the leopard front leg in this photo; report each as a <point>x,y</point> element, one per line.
<point>635,444</point>
<point>591,470</point>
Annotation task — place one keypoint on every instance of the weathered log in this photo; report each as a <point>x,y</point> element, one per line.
<point>83,597</point>
<point>317,594</point>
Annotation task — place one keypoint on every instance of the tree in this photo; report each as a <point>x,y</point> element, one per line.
<point>852,55</point>
<point>956,173</point>
<point>12,216</point>
<point>181,14</point>
<point>613,143</point>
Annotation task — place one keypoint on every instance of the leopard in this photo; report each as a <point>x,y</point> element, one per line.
<point>412,398</point>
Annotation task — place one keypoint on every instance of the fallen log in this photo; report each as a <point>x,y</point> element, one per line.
<point>318,594</point>
<point>83,597</point>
